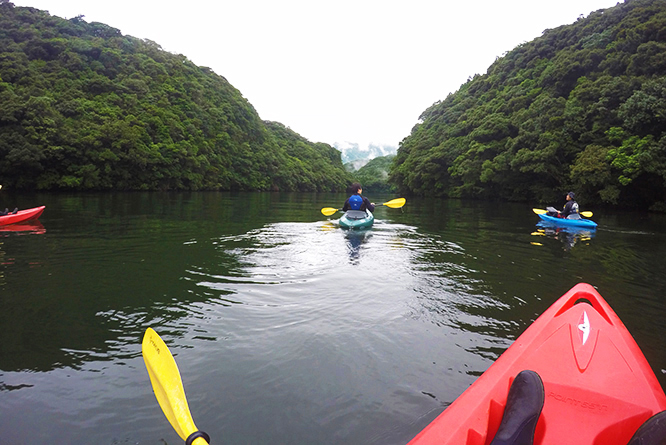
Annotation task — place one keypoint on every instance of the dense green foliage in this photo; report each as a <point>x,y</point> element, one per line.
<point>374,175</point>
<point>583,107</point>
<point>84,107</point>
<point>308,166</point>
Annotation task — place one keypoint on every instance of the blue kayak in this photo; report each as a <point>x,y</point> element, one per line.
<point>566,222</point>
<point>356,219</point>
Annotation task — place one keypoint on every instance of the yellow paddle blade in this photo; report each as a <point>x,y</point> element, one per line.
<point>395,203</point>
<point>587,214</point>
<point>168,387</point>
<point>328,211</point>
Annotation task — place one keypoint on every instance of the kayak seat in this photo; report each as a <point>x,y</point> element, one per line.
<point>574,216</point>
<point>356,214</point>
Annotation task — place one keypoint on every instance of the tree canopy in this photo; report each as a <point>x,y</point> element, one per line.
<point>583,108</point>
<point>374,175</point>
<point>83,107</point>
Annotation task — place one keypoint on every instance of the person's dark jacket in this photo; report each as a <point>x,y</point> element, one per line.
<point>569,208</point>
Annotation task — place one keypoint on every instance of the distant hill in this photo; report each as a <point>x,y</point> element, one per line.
<point>352,151</point>
<point>374,175</point>
<point>582,108</point>
<point>83,107</point>
<point>353,166</point>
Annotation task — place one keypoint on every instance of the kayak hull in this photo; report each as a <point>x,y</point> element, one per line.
<point>598,386</point>
<point>564,222</point>
<point>22,215</point>
<point>356,219</point>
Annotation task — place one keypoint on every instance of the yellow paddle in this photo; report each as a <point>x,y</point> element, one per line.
<point>394,204</point>
<point>168,388</point>
<point>541,212</point>
<point>328,211</point>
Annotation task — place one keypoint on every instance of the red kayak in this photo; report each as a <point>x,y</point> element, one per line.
<point>22,215</point>
<point>599,388</point>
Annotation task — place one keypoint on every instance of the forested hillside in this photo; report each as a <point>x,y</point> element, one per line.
<point>84,107</point>
<point>582,108</point>
<point>373,176</point>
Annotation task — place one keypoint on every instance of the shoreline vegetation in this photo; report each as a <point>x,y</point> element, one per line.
<point>583,108</point>
<point>87,108</point>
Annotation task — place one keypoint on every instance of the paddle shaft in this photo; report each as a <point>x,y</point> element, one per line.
<point>542,211</point>
<point>394,204</point>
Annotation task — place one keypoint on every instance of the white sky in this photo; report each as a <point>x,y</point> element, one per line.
<point>336,71</point>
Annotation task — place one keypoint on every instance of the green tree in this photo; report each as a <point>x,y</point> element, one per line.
<point>84,107</point>
<point>581,107</point>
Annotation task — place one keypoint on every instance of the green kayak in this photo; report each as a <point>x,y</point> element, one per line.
<point>356,219</point>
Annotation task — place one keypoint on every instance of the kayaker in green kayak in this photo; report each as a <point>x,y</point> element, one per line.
<point>356,201</point>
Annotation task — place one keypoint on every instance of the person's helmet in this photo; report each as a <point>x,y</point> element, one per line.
<point>572,195</point>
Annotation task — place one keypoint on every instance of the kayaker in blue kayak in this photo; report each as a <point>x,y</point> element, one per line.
<point>356,201</point>
<point>570,208</point>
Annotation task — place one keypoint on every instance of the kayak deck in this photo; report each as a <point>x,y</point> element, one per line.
<point>21,215</point>
<point>356,219</point>
<point>598,386</point>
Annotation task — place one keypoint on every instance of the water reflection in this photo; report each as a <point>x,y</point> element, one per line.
<point>355,239</point>
<point>327,336</point>
<point>568,236</point>
<point>29,227</point>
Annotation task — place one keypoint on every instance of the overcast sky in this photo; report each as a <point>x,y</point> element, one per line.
<point>334,71</point>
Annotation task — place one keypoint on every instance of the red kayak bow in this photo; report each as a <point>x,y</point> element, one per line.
<point>599,388</point>
<point>22,215</point>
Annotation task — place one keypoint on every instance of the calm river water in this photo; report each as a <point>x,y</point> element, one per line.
<point>286,329</point>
